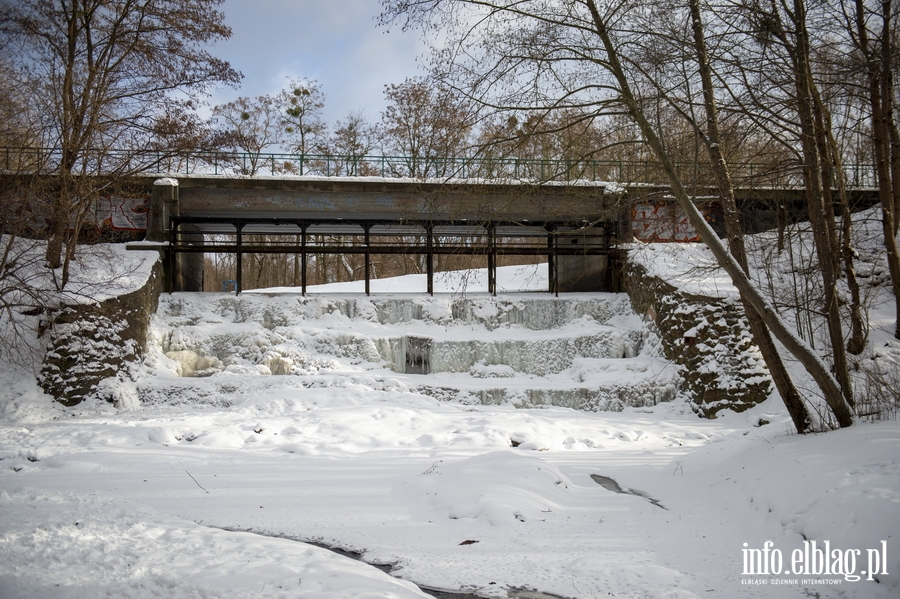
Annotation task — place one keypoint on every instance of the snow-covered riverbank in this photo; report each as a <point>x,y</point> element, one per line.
<point>205,486</point>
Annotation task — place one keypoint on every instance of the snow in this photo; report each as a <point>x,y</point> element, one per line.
<point>98,273</point>
<point>509,280</point>
<point>299,425</point>
<point>148,554</point>
<point>689,266</point>
<point>612,187</point>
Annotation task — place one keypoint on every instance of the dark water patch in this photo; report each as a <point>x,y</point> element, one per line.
<point>512,593</point>
<point>611,485</point>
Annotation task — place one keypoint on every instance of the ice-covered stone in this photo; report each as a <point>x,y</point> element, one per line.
<point>190,363</point>
<point>584,351</point>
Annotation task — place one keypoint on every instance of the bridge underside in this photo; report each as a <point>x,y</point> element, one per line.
<point>304,237</point>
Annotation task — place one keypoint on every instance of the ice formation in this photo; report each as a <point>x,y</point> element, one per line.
<point>584,351</point>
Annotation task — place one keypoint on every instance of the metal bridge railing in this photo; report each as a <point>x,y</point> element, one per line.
<point>47,160</point>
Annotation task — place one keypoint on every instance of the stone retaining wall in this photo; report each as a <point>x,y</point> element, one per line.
<point>707,337</point>
<point>89,343</point>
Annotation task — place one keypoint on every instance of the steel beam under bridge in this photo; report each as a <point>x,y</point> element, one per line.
<point>367,237</point>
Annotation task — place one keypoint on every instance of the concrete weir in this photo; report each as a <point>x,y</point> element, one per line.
<point>583,351</point>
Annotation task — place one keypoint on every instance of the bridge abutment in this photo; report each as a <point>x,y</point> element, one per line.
<point>183,271</point>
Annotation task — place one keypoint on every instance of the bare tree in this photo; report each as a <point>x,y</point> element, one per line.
<point>713,142</point>
<point>872,30</point>
<point>352,140</point>
<point>251,126</point>
<point>426,124</point>
<point>782,45</point>
<point>302,102</point>
<point>103,72</point>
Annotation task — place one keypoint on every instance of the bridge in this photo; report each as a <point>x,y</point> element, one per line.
<point>574,226</point>
<point>370,205</point>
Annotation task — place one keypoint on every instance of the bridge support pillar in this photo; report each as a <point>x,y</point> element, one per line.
<point>184,271</point>
<point>163,206</point>
<point>429,258</point>
<point>303,228</point>
<point>238,260</point>
<point>367,256</point>
<point>552,268</point>
<point>492,260</point>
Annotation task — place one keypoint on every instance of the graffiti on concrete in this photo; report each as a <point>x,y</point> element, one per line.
<point>120,213</point>
<point>661,221</point>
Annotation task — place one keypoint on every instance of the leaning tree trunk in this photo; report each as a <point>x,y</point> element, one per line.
<point>789,394</point>
<point>811,362</point>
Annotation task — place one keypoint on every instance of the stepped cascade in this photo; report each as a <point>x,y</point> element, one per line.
<point>584,351</point>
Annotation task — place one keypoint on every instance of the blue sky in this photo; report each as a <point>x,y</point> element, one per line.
<point>336,42</point>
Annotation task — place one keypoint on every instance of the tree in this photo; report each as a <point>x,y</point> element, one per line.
<point>249,125</point>
<point>531,56</point>
<point>352,140</point>
<point>427,125</point>
<point>302,103</point>
<point>556,144</point>
<point>872,31</point>
<point>101,73</point>
<point>713,141</point>
<point>786,28</point>
<point>20,132</point>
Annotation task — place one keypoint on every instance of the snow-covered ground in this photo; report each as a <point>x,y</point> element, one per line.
<point>215,486</point>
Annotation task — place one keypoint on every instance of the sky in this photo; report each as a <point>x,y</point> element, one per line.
<point>335,42</point>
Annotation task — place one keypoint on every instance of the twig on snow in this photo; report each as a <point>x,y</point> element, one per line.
<point>195,481</point>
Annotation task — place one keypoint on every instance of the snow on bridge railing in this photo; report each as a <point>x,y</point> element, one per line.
<point>482,166</point>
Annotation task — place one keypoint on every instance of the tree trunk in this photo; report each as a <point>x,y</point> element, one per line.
<point>885,140</point>
<point>818,176</point>
<point>813,364</point>
<point>789,394</point>
<point>858,328</point>
<point>56,234</point>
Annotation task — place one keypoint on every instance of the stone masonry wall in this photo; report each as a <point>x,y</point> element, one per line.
<point>89,343</point>
<point>707,337</point>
